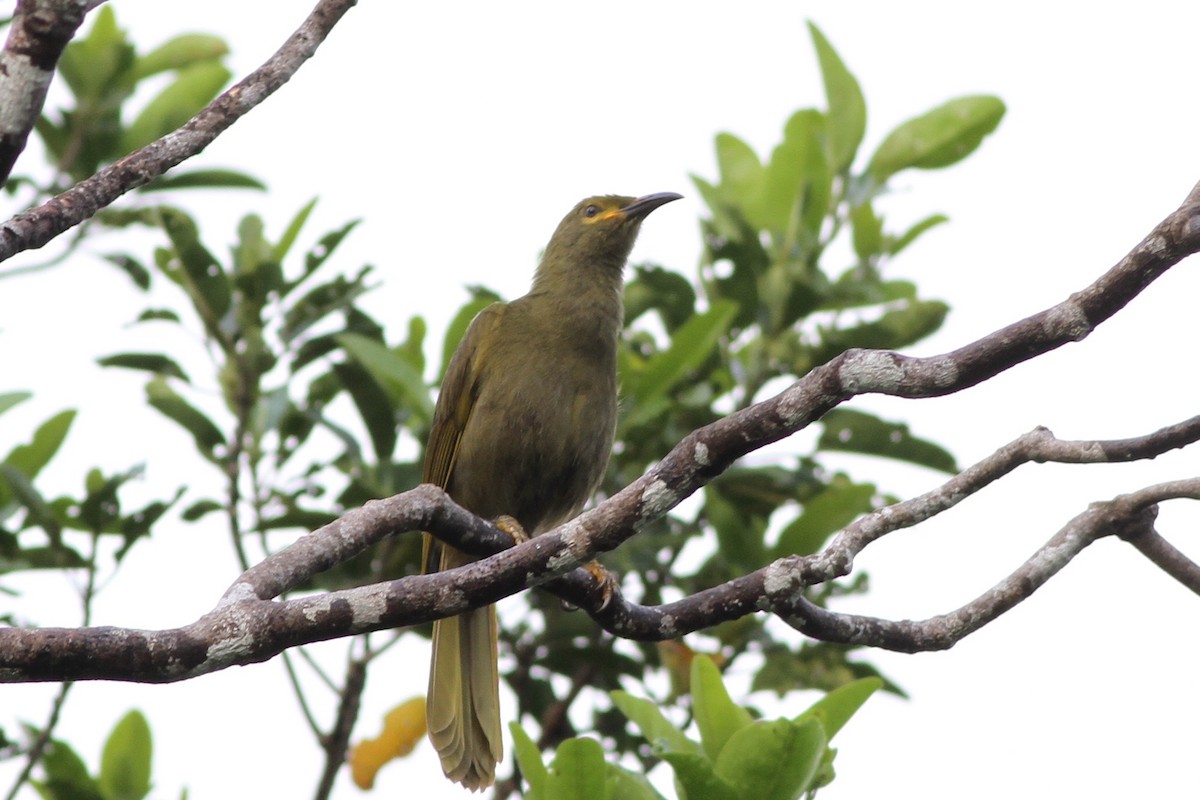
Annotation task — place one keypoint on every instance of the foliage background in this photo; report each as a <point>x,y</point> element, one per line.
<point>1098,143</point>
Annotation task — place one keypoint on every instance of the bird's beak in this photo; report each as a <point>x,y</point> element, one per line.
<point>644,205</point>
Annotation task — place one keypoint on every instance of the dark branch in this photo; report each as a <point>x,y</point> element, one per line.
<point>40,32</point>
<point>33,228</point>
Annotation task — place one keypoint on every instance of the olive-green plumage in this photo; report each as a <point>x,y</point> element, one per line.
<point>523,427</point>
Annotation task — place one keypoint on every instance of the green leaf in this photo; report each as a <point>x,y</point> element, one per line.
<point>47,439</point>
<point>938,138</point>
<point>529,759</point>
<point>894,329</point>
<point>910,235</point>
<point>836,708</point>
<point>739,533</point>
<point>125,763</point>
<point>692,344</point>
<point>788,173</point>
<point>196,85</point>
<point>207,435</point>
<point>629,785</point>
<point>321,301</point>
<point>91,65</point>
<point>54,139</point>
<point>299,518</point>
<point>179,52</point>
<point>47,557</point>
<point>324,248</point>
<point>102,506</point>
<point>661,290</point>
<point>654,727</point>
<point>852,431</point>
<point>138,524</point>
<point>149,362</point>
<point>458,327</point>
<point>815,665</point>
<point>717,716</point>
<point>10,399</point>
<point>205,179</point>
<point>376,406</point>
<point>17,486</point>
<point>868,232</point>
<point>826,513</point>
<point>136,271</point>
<point>200,508</point>
<point>696,778</point>
<point>202,276</point>
<point>394,374</point>
<point>257,274</point>
<point>847,108</point>
<point>741,173</point>
<point>292,231</point>
<point>773,759</point>
<point>67,777</point>
<point>724,224</point>
<point>807,128</point>
<point>578,770</point>
<point>158,315</point>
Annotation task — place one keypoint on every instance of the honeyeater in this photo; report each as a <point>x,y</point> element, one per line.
<point>523,428</point>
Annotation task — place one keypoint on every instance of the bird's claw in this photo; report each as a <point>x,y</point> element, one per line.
<point>606,581</point>
<point>513,528</point>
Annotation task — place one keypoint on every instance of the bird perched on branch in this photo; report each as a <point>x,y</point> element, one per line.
<point>523,429</point>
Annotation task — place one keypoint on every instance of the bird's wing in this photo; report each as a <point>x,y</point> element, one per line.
<point>460,387</point>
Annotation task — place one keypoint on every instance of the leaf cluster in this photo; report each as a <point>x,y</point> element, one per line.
<point>125,766</point>
<point>104,119</point>
<point>738,757</point>
<point>34,528</point>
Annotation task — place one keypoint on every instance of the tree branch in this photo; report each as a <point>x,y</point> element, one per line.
<point>34,228</point>
<point>40,32</point>
<point>1127,516</point>
<point>779,587</point>
<point>249,626</point>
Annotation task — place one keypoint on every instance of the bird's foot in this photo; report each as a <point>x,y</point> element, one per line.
<point>606,584</point>
<point>607,581</point>
<point>513,528</point>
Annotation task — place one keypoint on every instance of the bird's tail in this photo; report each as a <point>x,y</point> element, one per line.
<point>463,704</point>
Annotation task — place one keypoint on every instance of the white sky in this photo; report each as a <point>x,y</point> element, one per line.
<point>462,132</point>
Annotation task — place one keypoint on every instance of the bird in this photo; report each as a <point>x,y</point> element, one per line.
<point>522,430</point>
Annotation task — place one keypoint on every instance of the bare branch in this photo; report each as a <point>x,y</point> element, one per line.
<point>779,587</point>
<point>1129,516</point>
<point>943,631</point>
<point>40,32</point>
<point>34,228</point>
<point>1150,544</point>
<point>249,626</point>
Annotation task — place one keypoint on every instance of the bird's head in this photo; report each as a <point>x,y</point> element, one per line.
<point>602,228</point>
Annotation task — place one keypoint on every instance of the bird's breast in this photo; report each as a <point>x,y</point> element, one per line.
<point>539,435</point>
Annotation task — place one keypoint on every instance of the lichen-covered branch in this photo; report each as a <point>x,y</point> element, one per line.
<point>249,625</point>
<point>37,226</point>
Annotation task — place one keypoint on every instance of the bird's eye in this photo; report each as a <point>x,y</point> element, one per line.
<point>591,211</point>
